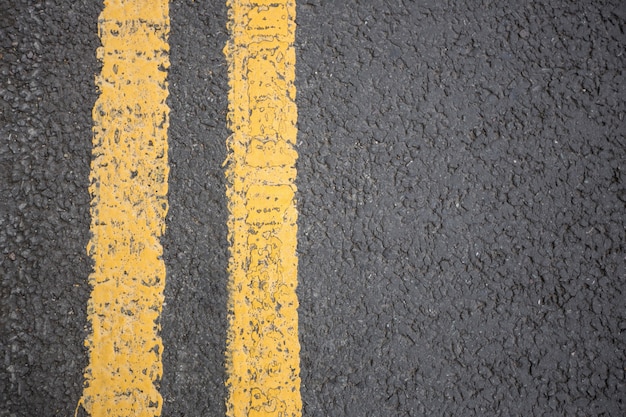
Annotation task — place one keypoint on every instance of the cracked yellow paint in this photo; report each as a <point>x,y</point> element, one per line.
<point>262,349</point>
<point>129,173</point>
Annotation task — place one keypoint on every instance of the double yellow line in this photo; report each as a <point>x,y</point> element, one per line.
<point>129,176</point>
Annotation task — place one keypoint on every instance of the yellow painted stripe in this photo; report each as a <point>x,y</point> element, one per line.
<point>129,172</point>
<point>262,348</point>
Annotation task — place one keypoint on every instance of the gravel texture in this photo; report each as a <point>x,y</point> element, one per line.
<point>195,245</point>
<point>462,199</point>
<point>47,67</point>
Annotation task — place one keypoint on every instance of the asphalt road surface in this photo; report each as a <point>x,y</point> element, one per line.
<point>462,203</point>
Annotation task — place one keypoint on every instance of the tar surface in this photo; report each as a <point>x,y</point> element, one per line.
<point>461,194</point>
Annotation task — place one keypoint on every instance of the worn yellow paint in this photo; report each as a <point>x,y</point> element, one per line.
<point>262,348</point>
<point>129,173</point>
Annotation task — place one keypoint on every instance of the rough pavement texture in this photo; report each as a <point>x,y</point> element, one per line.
<point>47,67</point>
<point>195,245</point>
<point>462,207</point>
<point>462,199</point>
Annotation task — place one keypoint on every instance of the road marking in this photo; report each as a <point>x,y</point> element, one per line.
<point>263,350</point>
<point>129,173</point>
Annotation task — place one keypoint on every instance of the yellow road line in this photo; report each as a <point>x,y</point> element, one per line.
<point>262,348</point>
<point>129,172</point>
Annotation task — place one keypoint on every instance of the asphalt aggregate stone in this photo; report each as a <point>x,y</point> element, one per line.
<point>195,244</point>
<point>47,68</point>
<point>461,194</point>
<point>462,208</point>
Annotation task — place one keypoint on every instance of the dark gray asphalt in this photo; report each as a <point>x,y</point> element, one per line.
<point>47,68</point>
<point>462,207</point>
<point>195,245</point>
